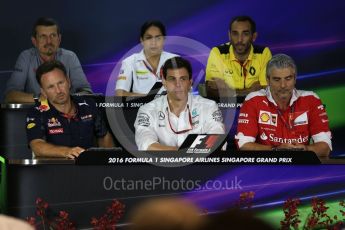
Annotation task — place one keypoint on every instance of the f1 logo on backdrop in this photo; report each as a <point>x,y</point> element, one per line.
<point>203,144</point>
<point>197,141</point>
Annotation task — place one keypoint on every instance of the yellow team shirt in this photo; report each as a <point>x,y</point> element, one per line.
<point>223,64</point>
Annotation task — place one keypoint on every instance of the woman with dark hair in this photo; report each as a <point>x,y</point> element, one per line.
<point>140,71</point>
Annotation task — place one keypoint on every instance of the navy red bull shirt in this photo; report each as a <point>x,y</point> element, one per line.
<point>45,122</point>
<point>261,121</point>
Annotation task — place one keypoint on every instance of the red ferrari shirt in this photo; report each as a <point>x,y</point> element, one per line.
<point>261,121</point>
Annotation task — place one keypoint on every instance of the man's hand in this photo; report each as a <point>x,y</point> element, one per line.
<point>293,146</point>
<point>74,152</point>
<point>218,88</point>
<point>159,147</point>
<point>256,86</point>
<point>41,148</point>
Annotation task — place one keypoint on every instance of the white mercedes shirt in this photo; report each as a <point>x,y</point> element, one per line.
<point>156,123</point>
<point>136,73</point>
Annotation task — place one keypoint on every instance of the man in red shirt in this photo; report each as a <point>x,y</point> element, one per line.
<point>282,117</point>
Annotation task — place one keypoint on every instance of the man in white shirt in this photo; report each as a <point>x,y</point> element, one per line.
<point>164,123</point>
<point>140,71</point>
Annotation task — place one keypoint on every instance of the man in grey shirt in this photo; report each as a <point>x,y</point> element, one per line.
<point>22,87</point>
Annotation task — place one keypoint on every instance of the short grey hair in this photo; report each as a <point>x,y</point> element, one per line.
<point>280,61</point>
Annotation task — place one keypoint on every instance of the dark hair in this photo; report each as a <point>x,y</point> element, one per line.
<point>47,67</point>
<point>154,23</point>
<point>43,21</point>
<point>176,63</point>
<point>244,19</point>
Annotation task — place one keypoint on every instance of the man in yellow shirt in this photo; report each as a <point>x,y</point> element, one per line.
<point>238,67</point>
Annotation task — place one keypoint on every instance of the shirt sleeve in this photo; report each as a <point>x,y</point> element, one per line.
<point>34,125</point>
<point>266,56</point>
<point>145,134</point>
<point>319,124</point>
<point>214,120</point>
<point>77,76</point>
<point>215,66</point>
<point>19,76</point>
<point>125,78</point>
<point>247,127</point>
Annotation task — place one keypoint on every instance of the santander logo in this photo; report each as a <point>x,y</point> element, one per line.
<point>299,140</point>
<point>263,136</point>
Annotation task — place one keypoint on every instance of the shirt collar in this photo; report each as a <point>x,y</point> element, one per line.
<point>141,56</point>
<point>74,100</point>
<point>166,104</point>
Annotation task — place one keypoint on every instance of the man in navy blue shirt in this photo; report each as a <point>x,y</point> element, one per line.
<point>63,126</point>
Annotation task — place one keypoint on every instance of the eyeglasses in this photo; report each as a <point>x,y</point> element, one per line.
<point>182,131</point>
<point>44,37</point>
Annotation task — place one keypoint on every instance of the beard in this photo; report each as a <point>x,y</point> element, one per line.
<point>241,48</point>
<point>50,49</point>
<point>284,94</point>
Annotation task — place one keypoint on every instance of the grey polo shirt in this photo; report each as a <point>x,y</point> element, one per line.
<point>23,77</point>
